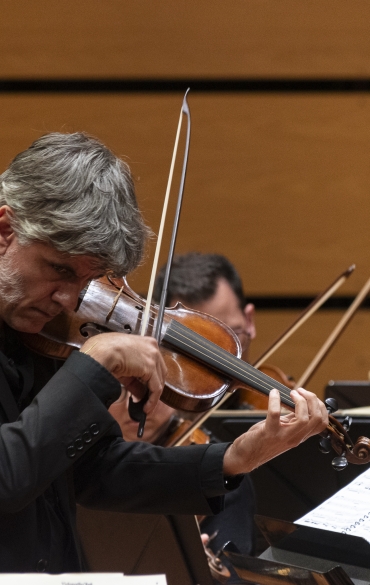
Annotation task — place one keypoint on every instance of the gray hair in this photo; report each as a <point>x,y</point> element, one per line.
<point>71,191</point>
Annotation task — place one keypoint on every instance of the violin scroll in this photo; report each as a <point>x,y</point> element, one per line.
<point>336,437</point>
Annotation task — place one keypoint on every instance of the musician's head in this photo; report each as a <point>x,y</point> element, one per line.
<point>68,213</point>
<point>211,284</point>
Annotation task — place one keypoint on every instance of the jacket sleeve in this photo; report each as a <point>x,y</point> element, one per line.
<point>142,478</point>
<point>67,417</point>
<point>68,424</point>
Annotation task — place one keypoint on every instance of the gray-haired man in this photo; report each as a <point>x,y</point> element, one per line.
<point>68,214</point>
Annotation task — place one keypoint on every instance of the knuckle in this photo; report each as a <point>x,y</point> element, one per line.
<point>151,363</point>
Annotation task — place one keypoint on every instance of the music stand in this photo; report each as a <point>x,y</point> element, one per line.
<point>144,544</point>
<point>349,393</point>
<point>301,478</point>
<point>303,555</point>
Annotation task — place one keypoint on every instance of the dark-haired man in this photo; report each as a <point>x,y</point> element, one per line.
<point>68,214</point>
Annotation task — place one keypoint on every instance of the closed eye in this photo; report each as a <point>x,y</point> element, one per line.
<point>60,269</point>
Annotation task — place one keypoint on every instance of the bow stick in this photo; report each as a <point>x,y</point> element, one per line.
<point>136,408</point>
<point>338,330</point>
<point>302,318</point>
<point>184,110</point>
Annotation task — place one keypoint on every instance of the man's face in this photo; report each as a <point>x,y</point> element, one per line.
<point>225,306</point>
<point>37,282</point>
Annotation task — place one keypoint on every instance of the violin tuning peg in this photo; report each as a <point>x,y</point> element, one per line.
<point>331,405</point>
<point>325,445</point>
<point>339,463</point>
<point>347,423</point>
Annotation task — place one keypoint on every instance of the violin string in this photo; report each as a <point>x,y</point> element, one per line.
<point>239,368</point>
<point>235,369</point>
<point>212,350</point>
<point>229,359</point>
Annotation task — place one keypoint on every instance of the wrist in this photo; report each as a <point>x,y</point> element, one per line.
<point>100,355</point>
<point>239,458</point>
<point>230,467</point>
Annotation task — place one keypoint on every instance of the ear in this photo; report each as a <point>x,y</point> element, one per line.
<point>249,313</point>
<point>6,230</point>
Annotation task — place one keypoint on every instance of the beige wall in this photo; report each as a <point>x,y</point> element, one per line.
<point>277,182</point>
<point>180,38</point>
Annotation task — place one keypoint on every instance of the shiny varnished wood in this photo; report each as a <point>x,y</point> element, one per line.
<point>190,385</point>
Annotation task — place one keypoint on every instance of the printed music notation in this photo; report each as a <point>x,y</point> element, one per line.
<point>348,511</point>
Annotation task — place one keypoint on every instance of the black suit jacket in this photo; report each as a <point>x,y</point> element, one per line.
<point>64,446</point>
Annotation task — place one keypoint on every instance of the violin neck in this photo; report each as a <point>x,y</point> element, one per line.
<point>191,343</point>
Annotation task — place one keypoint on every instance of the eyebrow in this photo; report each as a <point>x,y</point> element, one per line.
<point>69,267</point>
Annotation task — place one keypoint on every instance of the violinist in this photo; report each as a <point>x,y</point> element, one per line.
<point>68,214</point>
<point>211,284</point>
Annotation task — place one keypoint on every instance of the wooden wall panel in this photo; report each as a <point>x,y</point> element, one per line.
<point>171,38</point>
<point>280,184</point>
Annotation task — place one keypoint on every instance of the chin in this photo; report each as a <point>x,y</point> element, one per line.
<point>26,326</point>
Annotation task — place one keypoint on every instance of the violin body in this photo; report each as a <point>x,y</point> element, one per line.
<point>190,385</point>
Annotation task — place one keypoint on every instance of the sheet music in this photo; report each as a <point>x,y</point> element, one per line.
<point>348,511</point>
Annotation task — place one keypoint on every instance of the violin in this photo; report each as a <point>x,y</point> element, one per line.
<point>188,340</point>
<point>202,355</point>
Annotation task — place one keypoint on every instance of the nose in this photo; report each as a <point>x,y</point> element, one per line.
<point>66,295</point>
